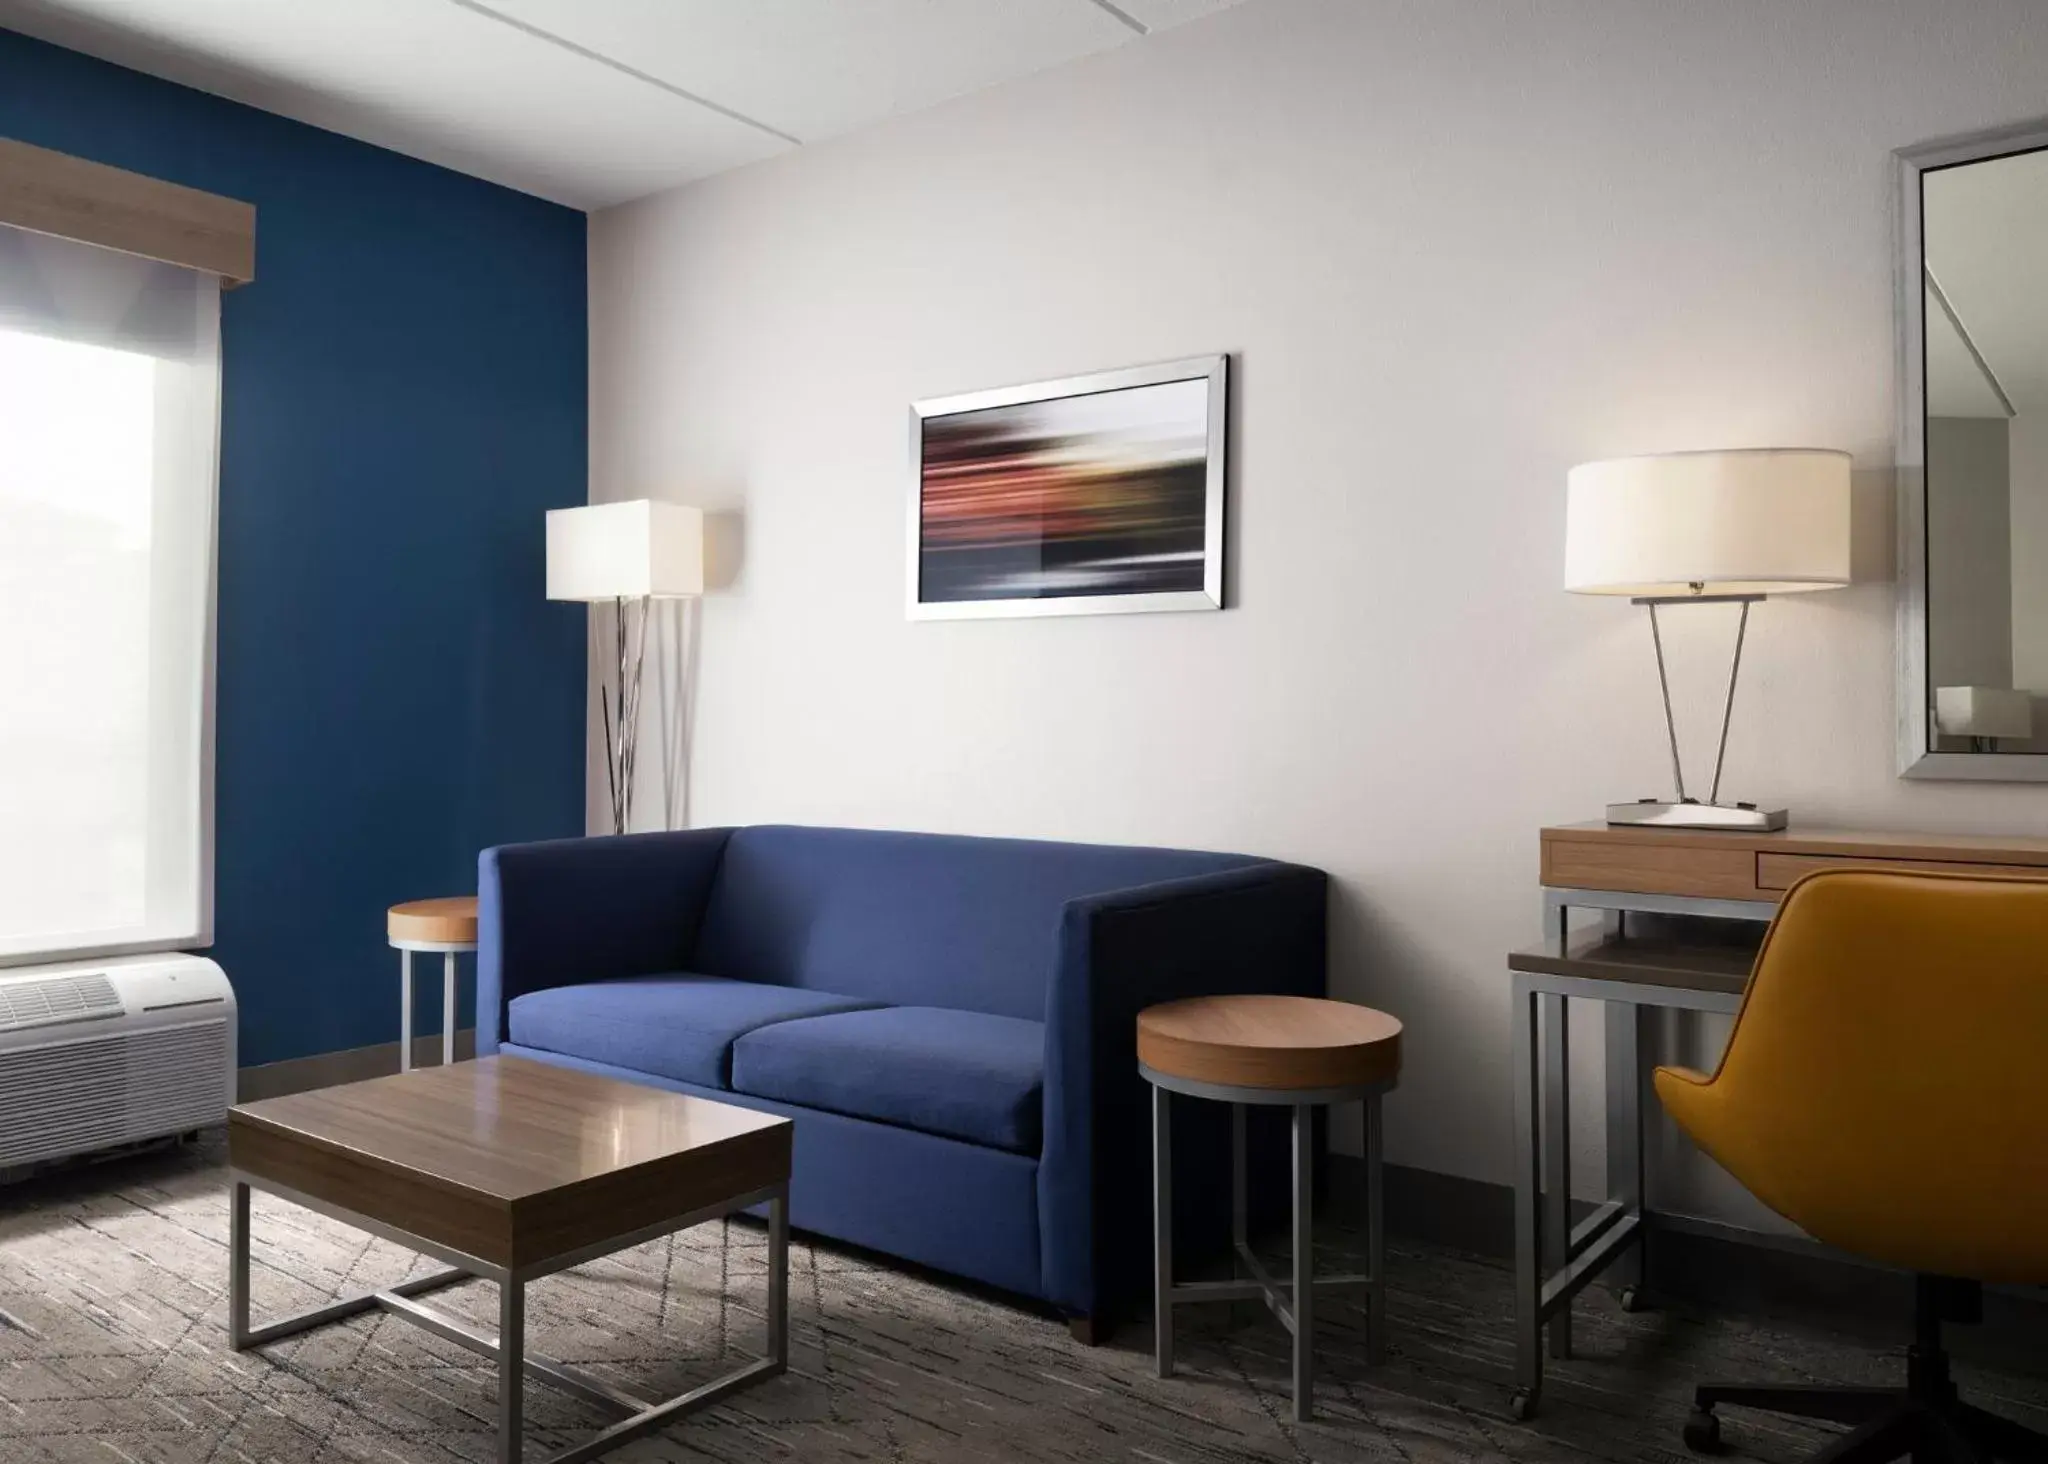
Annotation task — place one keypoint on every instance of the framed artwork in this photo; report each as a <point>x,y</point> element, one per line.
<point>1083,496</point>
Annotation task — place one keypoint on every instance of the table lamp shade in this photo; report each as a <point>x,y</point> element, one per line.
<point>625,551</point>
<point>1757,521</point>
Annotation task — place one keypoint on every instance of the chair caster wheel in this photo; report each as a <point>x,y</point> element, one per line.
<point>1522,1406</point>
<point>1632,1299</point>
<point>1703,1432</point>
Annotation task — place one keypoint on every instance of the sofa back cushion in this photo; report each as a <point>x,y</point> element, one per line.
<point>913,919</point>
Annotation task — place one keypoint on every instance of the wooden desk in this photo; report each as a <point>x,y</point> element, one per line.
<point>1734,877</point>
<point>1702,865</point>
<point>1693,969</point>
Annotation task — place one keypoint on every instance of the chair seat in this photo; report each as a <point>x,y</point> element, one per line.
<point>965,1075</point>
<point>676,1025</point>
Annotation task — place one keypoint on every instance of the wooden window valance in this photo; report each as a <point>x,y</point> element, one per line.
<point>52,193</point>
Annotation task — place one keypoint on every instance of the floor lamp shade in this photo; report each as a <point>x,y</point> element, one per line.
<point>630,554</point>
<point>1755,521</point>
<point>625,551</point>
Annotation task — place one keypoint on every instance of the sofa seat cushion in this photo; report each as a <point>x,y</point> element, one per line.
<point>966,1075</point>
<point>676,1025</point>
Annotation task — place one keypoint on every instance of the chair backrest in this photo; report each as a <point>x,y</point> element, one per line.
<point>913,919</point>
<point>1886,1085</point>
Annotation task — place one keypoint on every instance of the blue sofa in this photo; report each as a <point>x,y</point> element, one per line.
<point>948,1020</point>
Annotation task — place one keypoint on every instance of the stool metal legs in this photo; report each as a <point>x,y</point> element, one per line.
<point>1293,1300</point>
<point>405,1011</point>
<point>1304,1292</point>
<point>405,1004</point>
<point>448,1008</point>
<point>1162,1231</point>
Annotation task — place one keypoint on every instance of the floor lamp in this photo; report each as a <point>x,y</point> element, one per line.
<point>630,554</point>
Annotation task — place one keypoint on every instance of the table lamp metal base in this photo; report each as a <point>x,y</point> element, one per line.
<point>1692,814</point>
<point>1685,812</point>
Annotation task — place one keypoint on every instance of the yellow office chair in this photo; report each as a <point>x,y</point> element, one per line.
<point>1886,1089</point>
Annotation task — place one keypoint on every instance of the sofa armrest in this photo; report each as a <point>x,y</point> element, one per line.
<point>1261,928</point>
<point>573,910</point>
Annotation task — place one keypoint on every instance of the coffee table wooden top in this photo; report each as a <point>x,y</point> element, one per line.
<point>1277,1042</point>
<point>511,1161</point>
<point>450,920</point>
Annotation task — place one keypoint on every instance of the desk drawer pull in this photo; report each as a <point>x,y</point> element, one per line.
<point>1781,871</point>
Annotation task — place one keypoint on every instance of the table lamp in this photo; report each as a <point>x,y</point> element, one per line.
<point>1706,528</point>
<point>631,554</point>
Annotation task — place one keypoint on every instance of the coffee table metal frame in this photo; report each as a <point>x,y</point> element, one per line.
<point>1292,1301</point>
<point>509,1346</point>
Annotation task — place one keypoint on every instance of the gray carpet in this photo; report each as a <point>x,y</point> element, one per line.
<point>112,1347</point>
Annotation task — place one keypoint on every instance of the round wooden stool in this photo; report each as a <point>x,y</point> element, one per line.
<point>445,925</point>
<point>1297,1051</point>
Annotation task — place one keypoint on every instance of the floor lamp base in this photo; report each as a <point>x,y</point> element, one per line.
<point>1692,814</point>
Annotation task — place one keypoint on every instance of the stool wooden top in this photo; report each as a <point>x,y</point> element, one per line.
<point>448,921</point>
<point>1270,1042</point>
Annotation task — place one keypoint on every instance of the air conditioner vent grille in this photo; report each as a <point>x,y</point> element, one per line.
<point>56,1000</point>
<point>98,1092</point>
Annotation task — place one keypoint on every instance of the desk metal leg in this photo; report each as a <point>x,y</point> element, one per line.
<point>1528,1190</point>
<point>1557,1158</point>
<point>1625,1137</point>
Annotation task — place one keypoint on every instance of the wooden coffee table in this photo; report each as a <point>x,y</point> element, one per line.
<point>512,1170</point>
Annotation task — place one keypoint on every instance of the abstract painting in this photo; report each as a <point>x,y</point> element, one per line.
<point>1089,494</point>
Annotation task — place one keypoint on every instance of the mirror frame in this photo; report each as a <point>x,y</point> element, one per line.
<point>1917,757</point>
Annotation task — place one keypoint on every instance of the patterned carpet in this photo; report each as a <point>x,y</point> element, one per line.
<point>112,1348</point>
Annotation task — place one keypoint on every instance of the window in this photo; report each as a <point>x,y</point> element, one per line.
<point>109,414</point>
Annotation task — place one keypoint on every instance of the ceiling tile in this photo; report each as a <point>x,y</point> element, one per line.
<point>816,68</point>
<point>427,78</point>
<point>591,102</point>
<point>1161,14</point>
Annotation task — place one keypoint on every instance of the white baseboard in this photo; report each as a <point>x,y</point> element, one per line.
<point>351,1065</point>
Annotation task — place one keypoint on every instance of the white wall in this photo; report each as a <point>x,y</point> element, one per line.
<point>1456,246</point>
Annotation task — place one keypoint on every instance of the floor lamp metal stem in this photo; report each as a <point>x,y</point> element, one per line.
<point>1686,812</point>
<point>620,703</point>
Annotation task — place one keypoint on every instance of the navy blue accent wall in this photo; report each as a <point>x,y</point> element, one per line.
<point>404,393</point>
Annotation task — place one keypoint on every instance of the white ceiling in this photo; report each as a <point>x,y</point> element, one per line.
<point>1986,227</point>
<point>593,102</point>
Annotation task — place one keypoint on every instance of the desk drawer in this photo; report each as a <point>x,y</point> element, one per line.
<point>1780,871</point>
<point>1645,868</point>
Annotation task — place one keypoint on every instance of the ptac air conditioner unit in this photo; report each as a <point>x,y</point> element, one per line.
<point>98,1054</point>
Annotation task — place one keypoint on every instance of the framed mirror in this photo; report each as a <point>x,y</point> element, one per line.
<point>1973,457</point>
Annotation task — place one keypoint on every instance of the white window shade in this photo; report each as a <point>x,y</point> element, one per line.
<point>109,434</point>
